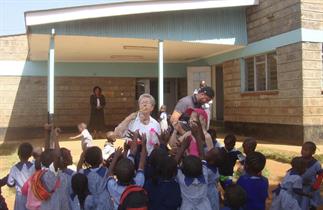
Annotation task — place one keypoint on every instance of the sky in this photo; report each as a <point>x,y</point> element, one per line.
<point>12,11</point>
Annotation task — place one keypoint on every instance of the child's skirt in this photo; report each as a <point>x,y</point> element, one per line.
<point>213,195</point>
<point>284,201</point>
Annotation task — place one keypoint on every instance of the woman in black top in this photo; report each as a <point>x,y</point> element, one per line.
<point>97,102</point>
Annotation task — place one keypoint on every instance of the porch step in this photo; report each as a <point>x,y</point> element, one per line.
<point>218,125</point>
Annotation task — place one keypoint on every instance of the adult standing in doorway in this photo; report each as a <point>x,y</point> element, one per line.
<point>178,118</point>
<point>97,102</point>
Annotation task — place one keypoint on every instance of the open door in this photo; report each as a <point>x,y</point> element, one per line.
<point>219,93</point>
<point>195,74</point>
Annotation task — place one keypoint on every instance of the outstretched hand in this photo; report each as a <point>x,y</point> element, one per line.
<point>164,137</point>
<point>118,153</point>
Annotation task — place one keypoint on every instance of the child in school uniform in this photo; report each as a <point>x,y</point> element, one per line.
<point>313,170</point>
<point>234,198</point>
<point>49,179</point>
<point>214,159</point>
<point>213,135</point>
<point>231,156</point>
<point>41,188</point>
<point>255,185</point>
<point>193,175</point>
<point>163,118</point>
<point>81,198</point>
<point>97,176</point>
<point>65,174</point>
<point>3,204</point>
<point>163,190</point>
<point>87,140</point>
<point>125,172</point>
<point>290,191</point>
<point>20,173</point>
<point>109,149</point>
<point>249,145</point>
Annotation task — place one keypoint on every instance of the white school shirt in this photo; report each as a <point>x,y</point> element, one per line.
<point>98,102</point>
<point>153,124</point>
<point>86,139</point>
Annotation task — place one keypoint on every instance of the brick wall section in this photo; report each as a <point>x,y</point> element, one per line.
<point>282,108</point>
<point>24,100</point>
<point>272,17</point>
<point>312,14</point>
<point>312,83</point>
<point>13,47</point>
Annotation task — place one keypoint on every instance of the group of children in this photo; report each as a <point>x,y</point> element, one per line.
<point>185,177</point>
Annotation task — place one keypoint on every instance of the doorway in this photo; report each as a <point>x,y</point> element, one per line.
<point>219,93</point>
<point>151,86</point>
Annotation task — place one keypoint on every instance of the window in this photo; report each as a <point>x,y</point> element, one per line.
<point>261,72</point>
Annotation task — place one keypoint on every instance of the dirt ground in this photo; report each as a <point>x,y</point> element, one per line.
<point>274,170</point>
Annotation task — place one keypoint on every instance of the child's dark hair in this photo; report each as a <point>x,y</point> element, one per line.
<point>25,151</point>
<point>215,157</point>
<point>65,157</point>
<point>234,197</point>
<point>125,171</point>
<point>80,187</point>
<point>230,141</point>
<point>168,168</point>
<point>250,143</point>
<point>255,162</point>
<point>212,133</point>
<point>298,165</point>
<point>93,156</point>
<point>192,166</point>
<point>47,157</point>
<point>310,145</point>
<point>155,161</point>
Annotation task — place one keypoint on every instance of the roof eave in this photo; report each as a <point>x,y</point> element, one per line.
<point>126,8</point>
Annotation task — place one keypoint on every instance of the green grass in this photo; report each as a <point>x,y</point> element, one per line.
<point>283,156</point>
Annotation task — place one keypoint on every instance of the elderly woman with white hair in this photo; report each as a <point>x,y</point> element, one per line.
<point>142,121</point>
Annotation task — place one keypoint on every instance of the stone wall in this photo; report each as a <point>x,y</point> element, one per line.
<point>312,14</point>
<point>13,47</point>
<point>23,104</point>
<point>276,113</point>
<point>273,17</point>
<point>312,91</point>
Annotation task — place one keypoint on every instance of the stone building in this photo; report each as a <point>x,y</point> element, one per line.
<point>263,58</point>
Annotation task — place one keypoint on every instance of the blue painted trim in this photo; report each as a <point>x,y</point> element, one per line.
<point>138,70</point>
<point>255,48</point>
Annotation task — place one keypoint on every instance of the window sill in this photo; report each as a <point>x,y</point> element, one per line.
<point>260,93</point>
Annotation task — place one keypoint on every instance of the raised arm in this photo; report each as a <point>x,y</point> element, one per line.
<point>180,151</point>
<point>143,154</point>
<point>123,126</point>
<point>117,155</point>
<point>76,137</point>
<point>198,134</point>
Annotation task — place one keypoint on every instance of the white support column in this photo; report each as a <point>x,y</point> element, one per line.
<point>51,75</point>
<point>50,86</point>
<point>160,73</point>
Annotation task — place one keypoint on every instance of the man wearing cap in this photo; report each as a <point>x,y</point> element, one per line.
<point>204,95</point>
